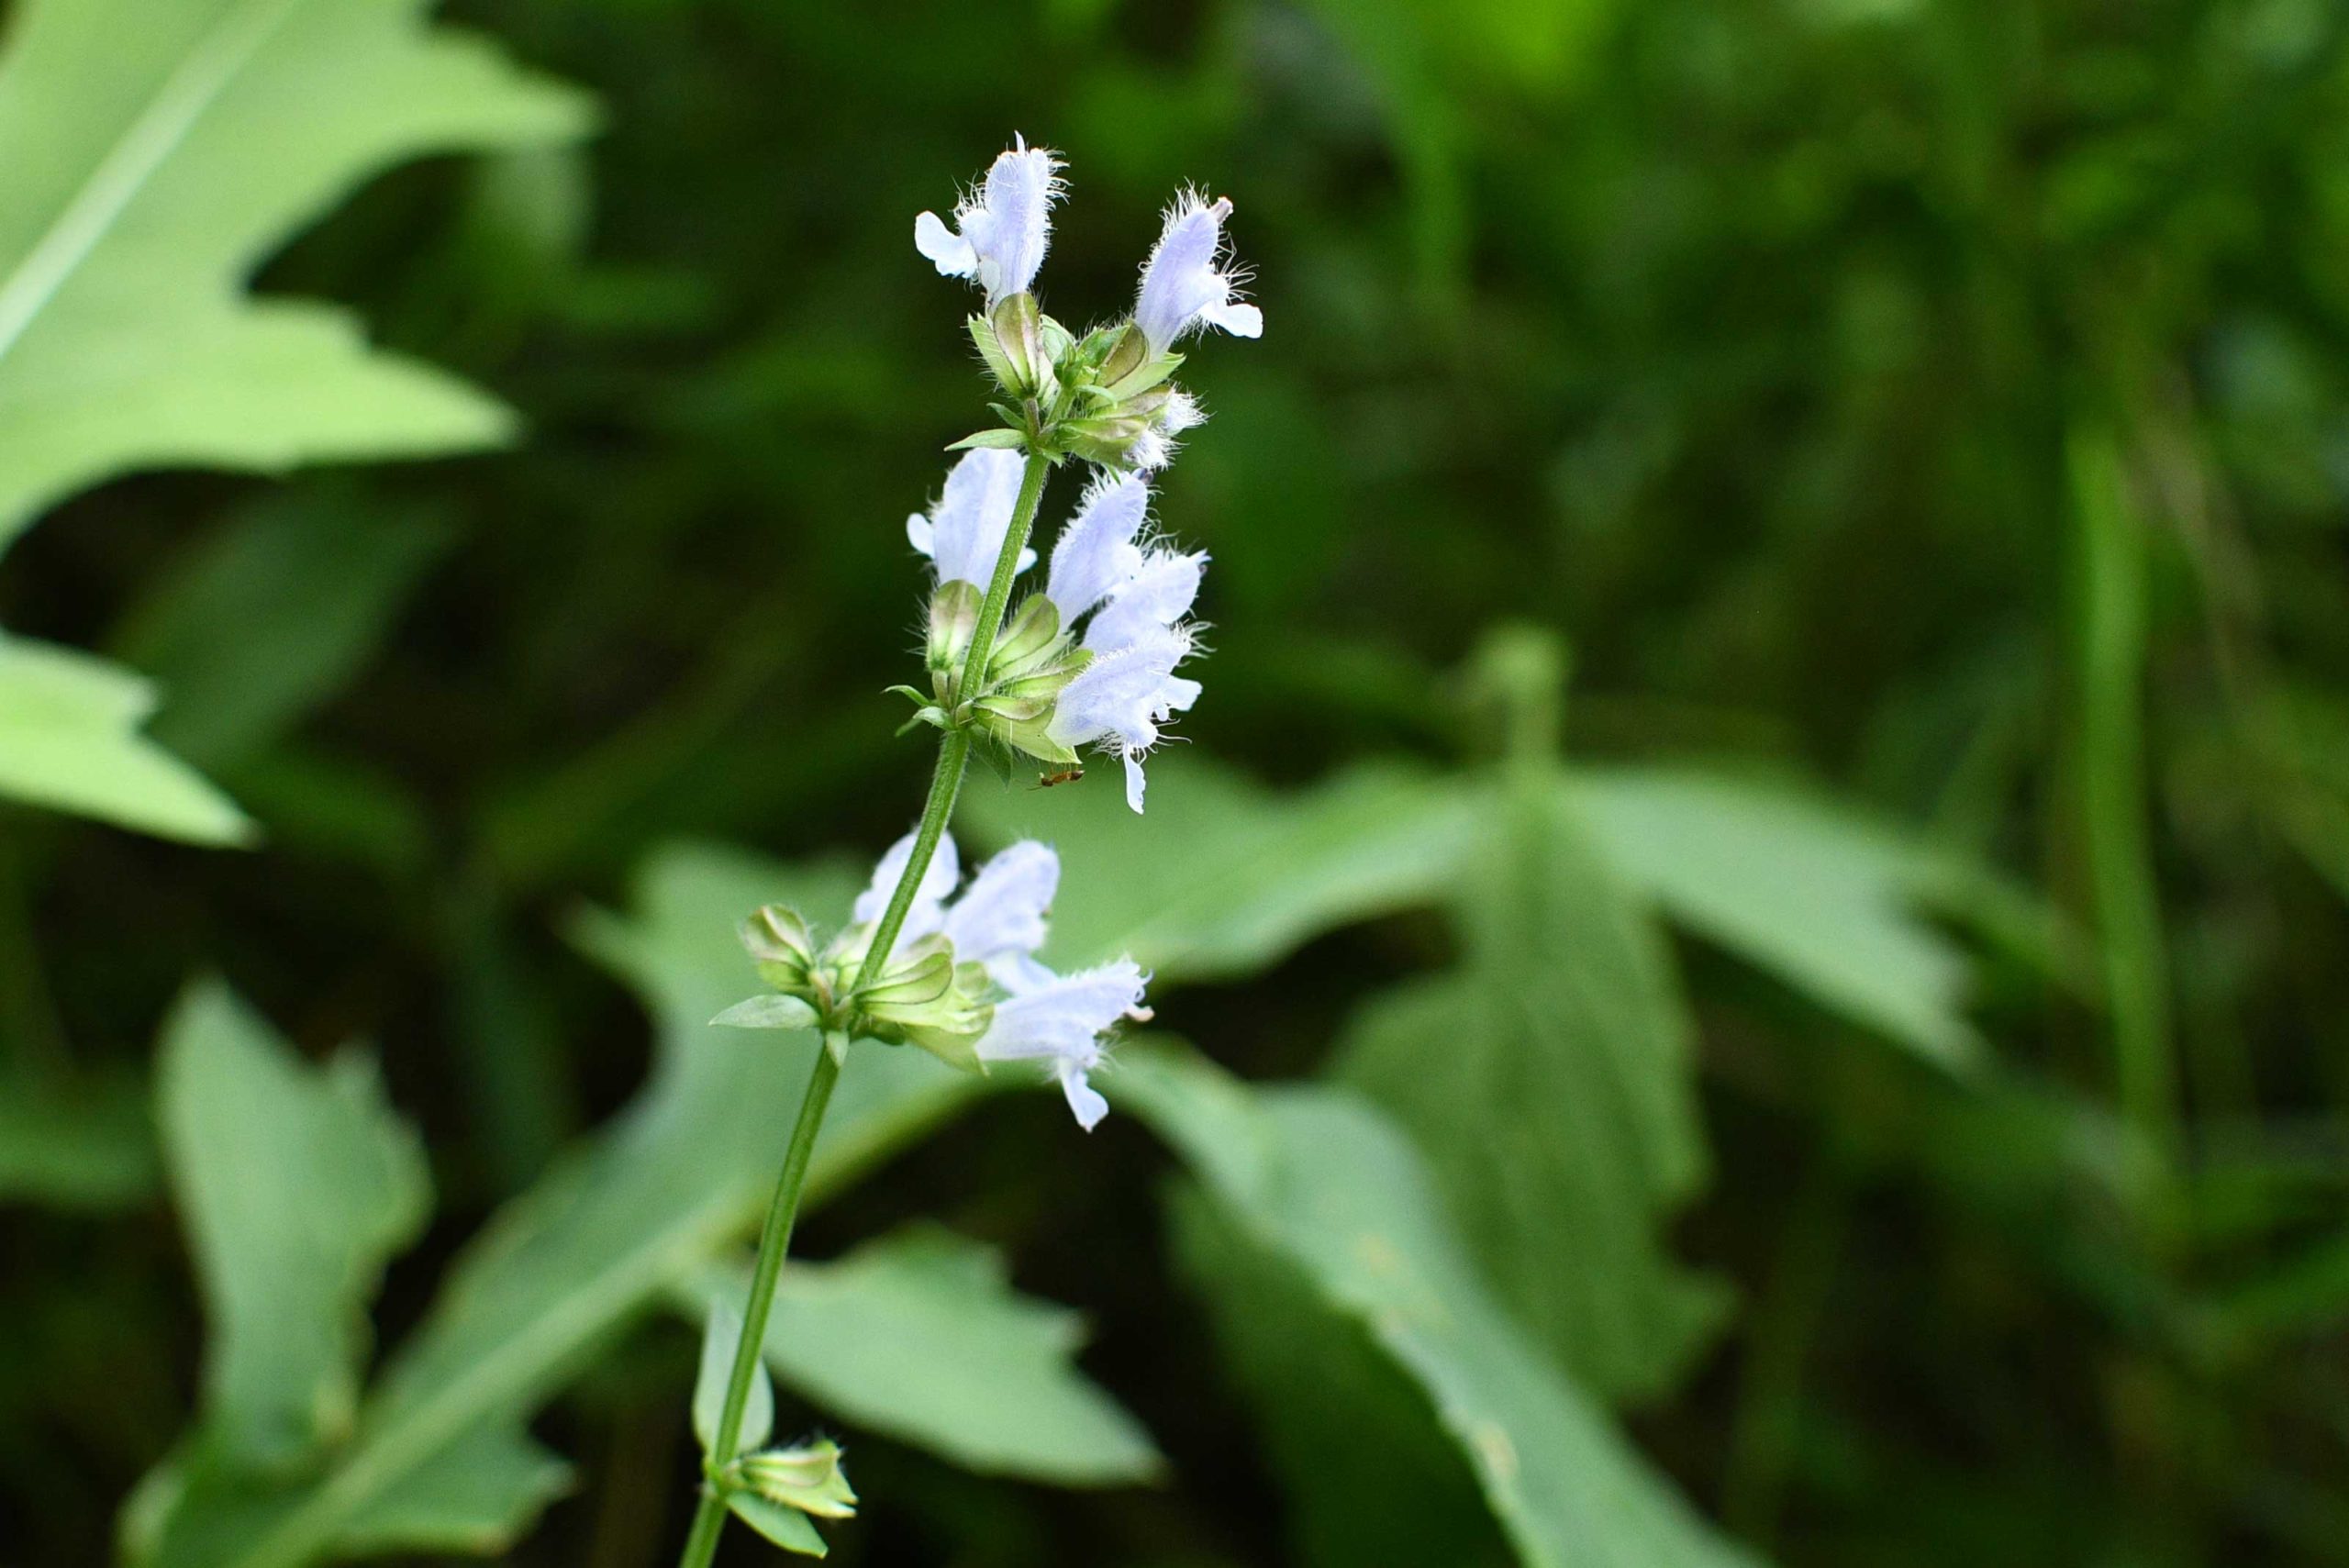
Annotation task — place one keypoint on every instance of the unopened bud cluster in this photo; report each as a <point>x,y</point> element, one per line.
<point>1105,398</point>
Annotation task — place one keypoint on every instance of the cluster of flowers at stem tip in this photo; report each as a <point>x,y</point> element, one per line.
<point>962,981</point>
<point>1048,687</point>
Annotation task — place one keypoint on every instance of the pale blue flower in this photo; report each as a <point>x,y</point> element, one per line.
<point>1096,552</point>
<point>1157,592</point>
<point>999,919</point>
<point>1062,1022</point>
<point>1154,447</point>
<point>963,532</point>
<point>927,913</point>
<point>1121,698</point>
<point>1185,285</point>
<point>1002,228</point>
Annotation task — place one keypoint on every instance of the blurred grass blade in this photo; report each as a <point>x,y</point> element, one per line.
<point>297,1184</point>
<point>2108,765</point>
<point>1320,1177</point>
<point>158,150</point>
<point>68,739</point>
<point>1550,1084</point>
<point>921,1336</point>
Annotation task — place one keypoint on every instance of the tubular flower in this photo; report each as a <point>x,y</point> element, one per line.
<point>1137,598</point>
<point>1002,228</point>
<point>963,532</point>
<point>962,981</point>
<point>1184,284</point>
<point>1063,1022</point>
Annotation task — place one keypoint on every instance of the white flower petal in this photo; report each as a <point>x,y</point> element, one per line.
<point>1084,1099</point>
<point>1158,593</point>
<point>927,913</point>
<point>1238,320</point>
<point>1000,917</point>
<point>1063,1021</point>
<point>1134,780</point>
<point>1119,691</point>
<point>1005,225</point>
<point>1095,550</point>
<point>948,251</point>
<point>1182,286</point>
<point>973,513</point>
<point>1182,412</point>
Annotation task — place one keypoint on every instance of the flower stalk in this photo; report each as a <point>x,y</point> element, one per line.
<point>927,960</point>
<point>783,1208</point>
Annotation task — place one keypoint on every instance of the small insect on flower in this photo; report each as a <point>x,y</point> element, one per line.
<point>1067,775</point>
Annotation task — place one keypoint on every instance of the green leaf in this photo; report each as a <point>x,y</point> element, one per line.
<point>1818,895</point>
<point>1550,1084</point>
<point>1320,1177</point>
<point>274,615</point>
<point>1226,878</point>
<point>68,739</point>
<point>721,1337</point>
<point>159,150</point>
<point>682,1173</point>
<point>476,1496</point>
<point>297,1184</point>
<point>1366,1472</point>
<point>786,1528</point>
<point>921,1336</point>
<point>768,1012</point>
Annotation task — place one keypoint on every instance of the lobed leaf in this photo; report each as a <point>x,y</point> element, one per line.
<point>1816,894</point>
<point>298,1185</point>
<point>1319,1176</point>
<point>1550,1084</point>
<point>160,149</point>
<point>920,1336</point>
<point>1227,877</point>
<point>68,739</point>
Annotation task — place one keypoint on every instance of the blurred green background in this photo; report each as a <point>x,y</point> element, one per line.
<point>1937,406</point>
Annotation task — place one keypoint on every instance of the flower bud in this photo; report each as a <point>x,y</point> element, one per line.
<point>954,621</point>
<point>778,942</point>
<point>1018,329</point>
<point>808,1478</point>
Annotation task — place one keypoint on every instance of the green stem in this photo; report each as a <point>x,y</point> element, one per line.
<point>1006,567</point>
<point>945,783</point>
<point>774,1237</point>
<point>775,1241</point>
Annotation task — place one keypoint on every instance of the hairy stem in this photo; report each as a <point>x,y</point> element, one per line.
<point>774,1237</point>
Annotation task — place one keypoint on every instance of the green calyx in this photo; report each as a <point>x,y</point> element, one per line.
<point>921,998</point>
<point>808,1478</point>
<point>1092,397</point>
<point>1011,709</point>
